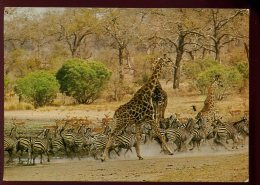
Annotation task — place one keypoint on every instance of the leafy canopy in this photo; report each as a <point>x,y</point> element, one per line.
<point>82,79</point>
<point>39,88</point>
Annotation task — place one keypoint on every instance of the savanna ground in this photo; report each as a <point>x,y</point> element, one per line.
<point>204,165</point>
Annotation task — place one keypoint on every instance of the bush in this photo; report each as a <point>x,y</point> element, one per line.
<point>6,82</point>
<point>39,88</point>
<point>83,80</point>
<point>193,68</point>
<point>243,68</point>
<point>230,77</point>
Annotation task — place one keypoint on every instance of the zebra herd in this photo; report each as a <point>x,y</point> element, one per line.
<point>73,138</point>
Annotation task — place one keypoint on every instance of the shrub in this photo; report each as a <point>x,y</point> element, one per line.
<point>193,68</point>
<point>6,82</point>
<point>243,68</point>
<point>83,80</point>
<point>39,88</point>
<point>230,78</point>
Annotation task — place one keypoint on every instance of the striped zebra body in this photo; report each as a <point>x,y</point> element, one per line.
<point>181,136</point>
<point>23,145</point>
<point>242,128</point>
<point>225,132</point>
<point>10,143</point>
<point>41,145</point>
<point>69,144</point>
<point>57,145</point>
<point>177,136</point>
<point>156,138</point>
<point>170,122</point>
<point>98,145</point>
<point>9,146</point>
<point>125,141</point>
<point>197,136</point>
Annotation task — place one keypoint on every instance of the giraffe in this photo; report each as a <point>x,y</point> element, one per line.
<point>159,97</point>
<point>209,113</point>
<point>138,110</point>
<point>160,100</point>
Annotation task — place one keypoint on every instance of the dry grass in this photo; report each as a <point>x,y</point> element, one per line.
<point>179,101</point>
<point>9,105</point>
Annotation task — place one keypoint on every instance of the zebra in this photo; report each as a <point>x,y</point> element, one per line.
<point>68,139</point>
<point>242,128</point>
<point>170,122</point>
<point>182,135</point>
<point>125,141</point>
<point>224,132</point>
<point>40,146</point>
<point>155,137</point>
<point>23,145</point>
<point>56,145</point>
<point>98,145</point>
<point>10,143</point>
<point>200,133</point>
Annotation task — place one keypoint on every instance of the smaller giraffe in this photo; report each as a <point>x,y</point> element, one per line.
<point>209,113</point>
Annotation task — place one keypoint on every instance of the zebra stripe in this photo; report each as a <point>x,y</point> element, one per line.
<point>225,132</point>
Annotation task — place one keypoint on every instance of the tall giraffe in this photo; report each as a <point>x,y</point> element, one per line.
<point>138,110</point>
<point>209,113</point>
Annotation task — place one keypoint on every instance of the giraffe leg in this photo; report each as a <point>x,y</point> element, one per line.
<point>138,138</point>
<point>157,132</point>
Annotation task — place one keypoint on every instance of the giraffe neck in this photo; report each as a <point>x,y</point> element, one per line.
<point>147,89</point>
<point>153,81</point>
<point>210,100</point>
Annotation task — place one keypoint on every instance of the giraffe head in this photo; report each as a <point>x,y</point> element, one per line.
<point>160,62</point>
<point>217,81</point>
<point>215,84</point>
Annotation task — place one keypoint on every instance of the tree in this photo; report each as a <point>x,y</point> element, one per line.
<point>76,25</point>
<point>179,35</point>
<point>39,88</point>
<point>121,26</point>
<point>82,79</point>
<point>220,32</point>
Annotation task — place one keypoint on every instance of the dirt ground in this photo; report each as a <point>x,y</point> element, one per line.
<point>197,166</point>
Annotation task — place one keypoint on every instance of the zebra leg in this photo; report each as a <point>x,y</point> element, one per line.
<point>138,138</point>
<point>109,142</point>
<point>48,157</point>
<point>193,145</point>
<point>34,159</point>
<point>41,158</point>
<point>118,127</point>
<point>157,132</point>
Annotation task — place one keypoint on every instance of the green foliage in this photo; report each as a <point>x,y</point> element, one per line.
<point>193,68</point>
<point>82,80</point>
<point>230,77</point>
<point>243,68</point>
<point>39,88</point>
<point>6,82</point>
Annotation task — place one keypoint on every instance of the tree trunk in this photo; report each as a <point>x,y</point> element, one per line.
<point>176,69</point>
<point>120,57</point>
<point>217,53</point>
<point>176,73</point>
<point>247,50</point>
